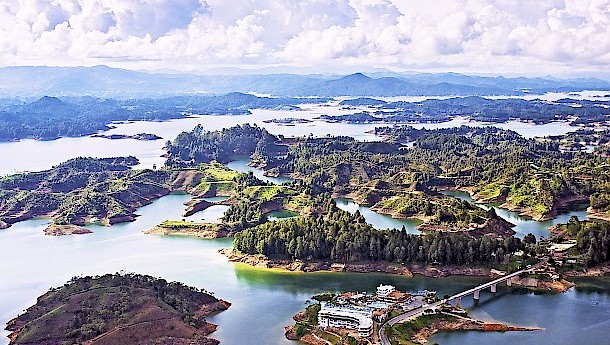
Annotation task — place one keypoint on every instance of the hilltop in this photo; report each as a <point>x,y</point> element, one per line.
<point>118,309</point>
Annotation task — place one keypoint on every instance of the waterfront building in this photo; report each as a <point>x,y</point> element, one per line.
<point>348,317</point>
<point>384,290</point>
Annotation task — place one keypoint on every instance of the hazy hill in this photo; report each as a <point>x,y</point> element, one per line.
<point>103,81</point>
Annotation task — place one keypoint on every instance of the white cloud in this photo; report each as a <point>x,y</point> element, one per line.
<point>468,35</point>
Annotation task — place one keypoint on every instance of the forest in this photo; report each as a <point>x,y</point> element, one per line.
<point>592,239</point>
<point>344,237</point>
<point>532,175</point>
<point>201,146</point>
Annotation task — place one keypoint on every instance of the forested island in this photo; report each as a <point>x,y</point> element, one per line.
<point>577,112</point>
<point>117,308</point>
<point>498,166</point>
<point>533,176</point>
<point>50,118</point>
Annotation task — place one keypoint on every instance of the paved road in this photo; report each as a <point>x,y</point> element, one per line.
<point>383,337</point>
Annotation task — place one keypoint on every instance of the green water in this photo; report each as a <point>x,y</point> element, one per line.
<point>263,300</point>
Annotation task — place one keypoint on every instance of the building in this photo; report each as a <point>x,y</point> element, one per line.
<point>389,294</point>
<point>348,317</point>
<point>396,297</point>
<point>384,290</point>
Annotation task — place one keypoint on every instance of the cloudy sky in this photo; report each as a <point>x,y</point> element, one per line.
<point>560,37</point>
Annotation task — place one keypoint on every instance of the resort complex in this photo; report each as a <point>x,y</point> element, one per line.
<point>360,310</point>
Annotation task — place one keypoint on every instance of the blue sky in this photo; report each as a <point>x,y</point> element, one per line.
<point>532,37</point>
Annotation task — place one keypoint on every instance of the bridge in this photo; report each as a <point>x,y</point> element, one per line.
<point>475,291</point>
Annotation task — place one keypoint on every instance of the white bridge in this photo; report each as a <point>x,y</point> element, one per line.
<point>475,291</point>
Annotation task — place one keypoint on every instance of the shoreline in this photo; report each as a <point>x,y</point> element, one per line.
<point>422,335</point>
<point>427,326</point>
<point>410,270</point>
<point>190,232</point>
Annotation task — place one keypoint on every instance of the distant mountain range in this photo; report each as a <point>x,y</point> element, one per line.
<point>103,81</point>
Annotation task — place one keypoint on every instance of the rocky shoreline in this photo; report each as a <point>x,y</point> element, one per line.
<point>139,136</point>
<point>422,335</point>
<point>207,233</point>
<point>408,270</point>
<point>262,261</point>
<point>68,229</point>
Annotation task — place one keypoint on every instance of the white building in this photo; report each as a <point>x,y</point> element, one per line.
<point>349,317</point>
<point>384,290</point>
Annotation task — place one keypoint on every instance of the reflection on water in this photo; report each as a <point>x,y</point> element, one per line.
<point>263,300</point>
<point>241,165</point>
<point>377,220</point>
<point>524,225</point>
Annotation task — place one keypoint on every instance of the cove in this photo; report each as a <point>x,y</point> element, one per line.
<point>377,220</point>
<point>523,225</point>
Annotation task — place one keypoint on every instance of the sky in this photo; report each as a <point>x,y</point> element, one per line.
<point>528,37</point>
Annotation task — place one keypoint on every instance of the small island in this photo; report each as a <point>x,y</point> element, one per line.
<point>139,136</point>
<point>288,121</point>
<point>125,309</point>
<point>191,229</point>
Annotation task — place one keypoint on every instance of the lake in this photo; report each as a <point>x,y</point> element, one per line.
<point>32,155</point>
<point>263,300</point>
<point>377,220</point>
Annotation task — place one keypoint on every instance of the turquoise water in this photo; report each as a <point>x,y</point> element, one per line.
<point>263,300</point>
<point>211,214</point>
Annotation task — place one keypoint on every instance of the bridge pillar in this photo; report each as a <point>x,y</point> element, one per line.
<point>458,302</point>
<point>494,288</point>
<point>509,282</point>
<point>476,294</point>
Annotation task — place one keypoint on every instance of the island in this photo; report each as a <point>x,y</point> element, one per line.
<point>476,108</point>
<point>50,118</point>
<point>139,136</point>
<point>288,121</point>
<point>191,229</point>
<point>118,309</point>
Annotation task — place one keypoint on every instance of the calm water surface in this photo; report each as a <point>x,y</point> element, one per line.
<point>32,155</point>
<point>377,220</point>
<point>263,300</point>
<point>241,165</point>
<point>523,225</point>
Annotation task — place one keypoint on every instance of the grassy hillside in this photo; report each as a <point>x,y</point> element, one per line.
<point>118,309</point>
